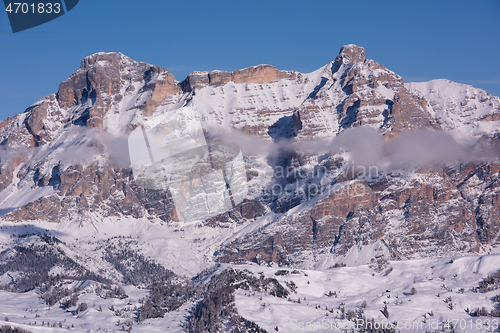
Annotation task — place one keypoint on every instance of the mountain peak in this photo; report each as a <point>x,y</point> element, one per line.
<point>111,57</point>
<point>351,54</point>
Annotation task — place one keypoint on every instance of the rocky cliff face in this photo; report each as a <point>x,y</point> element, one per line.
<point>66,158</point>
<point>256,74</point>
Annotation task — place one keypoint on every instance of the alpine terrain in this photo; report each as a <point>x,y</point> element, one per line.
<point>368,199</point>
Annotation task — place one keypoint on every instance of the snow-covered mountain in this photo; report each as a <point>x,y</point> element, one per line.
<point>459,109</point>
<point>65,157</point>
<point>336,165</point>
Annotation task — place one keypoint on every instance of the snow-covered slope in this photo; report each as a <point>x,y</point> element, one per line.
<point>420,295</point>
<point>444,289</point>
<point>460,109</point>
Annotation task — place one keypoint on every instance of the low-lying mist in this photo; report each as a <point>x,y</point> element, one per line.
<point>368,147</point>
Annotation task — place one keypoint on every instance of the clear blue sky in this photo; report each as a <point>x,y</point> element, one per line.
<point>419,40</point>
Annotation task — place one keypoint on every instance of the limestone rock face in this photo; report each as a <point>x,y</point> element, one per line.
<point>257,74</point>
<point>67,152</point>
<point>351,54</point>
<point>104,77</point>
<point>433,215</point>
<point>6,173</point>
<point>162,84</point>
<point>35,120</point>
<point>108,191</point>
<point>99,73</point>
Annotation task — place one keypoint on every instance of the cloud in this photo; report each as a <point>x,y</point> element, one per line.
<point>418,149</point>
<point>249,144</point>
<point>10,155</point>
<point>115,147</point>
<point>78,145</point>
<point>367,147</point>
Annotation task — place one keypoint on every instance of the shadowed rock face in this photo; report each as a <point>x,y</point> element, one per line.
<point>439,210</point>
<point>103,76</point>
<point>432,218</point>
<point>351,54</point>
<point>99,74</point>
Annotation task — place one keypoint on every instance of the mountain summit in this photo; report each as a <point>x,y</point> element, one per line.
<point>351,54</point>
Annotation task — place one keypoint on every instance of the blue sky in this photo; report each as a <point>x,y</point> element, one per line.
<point>419,40</point>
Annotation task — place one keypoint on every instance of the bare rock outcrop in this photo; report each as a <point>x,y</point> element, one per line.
<point>255,74</point>
<point>429,211</point>
<point>101,80</point>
